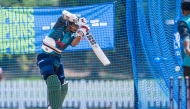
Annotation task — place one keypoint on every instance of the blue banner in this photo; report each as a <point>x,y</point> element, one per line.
<point>22,29</point>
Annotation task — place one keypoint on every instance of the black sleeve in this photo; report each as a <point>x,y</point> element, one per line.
<point>61,22</point>
<point>183,30</point>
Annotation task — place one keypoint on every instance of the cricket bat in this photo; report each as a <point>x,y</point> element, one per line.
<point>97,50</point>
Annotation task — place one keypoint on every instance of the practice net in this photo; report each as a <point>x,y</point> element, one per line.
<point>134,35</point>
<point>152,33</point>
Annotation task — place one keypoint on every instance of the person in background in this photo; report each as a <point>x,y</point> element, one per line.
<point>184,31</point>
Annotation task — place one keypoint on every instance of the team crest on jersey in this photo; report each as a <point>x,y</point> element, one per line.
<point>67,39</point>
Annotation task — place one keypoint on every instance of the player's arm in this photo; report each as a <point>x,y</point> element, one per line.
<point>60,22</point>
<point>62,19</point>
<point>185,36</point>
<point>79,34</point>
<point>75,41</point>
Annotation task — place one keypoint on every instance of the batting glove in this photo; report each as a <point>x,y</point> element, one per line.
<point>83,31</point>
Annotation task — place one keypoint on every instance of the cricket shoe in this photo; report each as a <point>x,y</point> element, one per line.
<point>49,107</point>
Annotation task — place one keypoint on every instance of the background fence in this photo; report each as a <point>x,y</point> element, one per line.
<point>143,33</point>
<point>82,94</point>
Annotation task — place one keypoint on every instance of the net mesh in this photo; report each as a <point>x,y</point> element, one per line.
<point>85,60</point>
<point>152,49</point>
<point>142,55</point>
<point>91,84</point>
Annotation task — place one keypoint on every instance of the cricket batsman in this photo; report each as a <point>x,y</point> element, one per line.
<point>68,30</point>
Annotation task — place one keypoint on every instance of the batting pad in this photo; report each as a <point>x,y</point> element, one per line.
<point>54,92</point>
<point>64,89</point>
